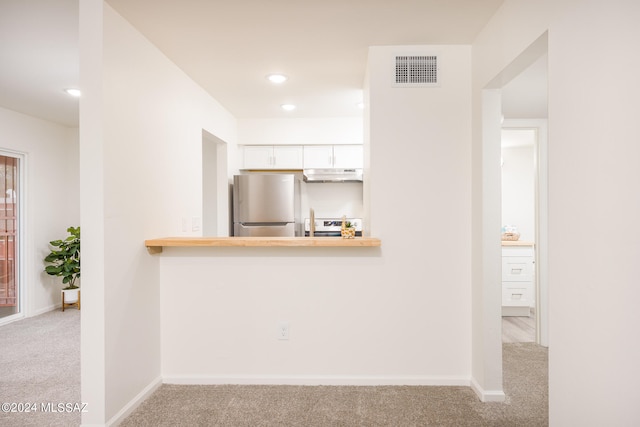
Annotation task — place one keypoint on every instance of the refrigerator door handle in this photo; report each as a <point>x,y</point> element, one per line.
<point>272,229</point>
<point>264,224</point>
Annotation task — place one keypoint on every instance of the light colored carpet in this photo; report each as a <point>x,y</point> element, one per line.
<point>43,366</point>
<point>40,364</point>
<point>525,383</point>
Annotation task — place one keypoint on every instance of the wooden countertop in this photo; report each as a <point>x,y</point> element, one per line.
<point>517,243</point>
<point>155,246</point>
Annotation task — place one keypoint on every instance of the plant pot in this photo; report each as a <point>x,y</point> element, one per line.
<point>348,233</point>
<point>70,297</point>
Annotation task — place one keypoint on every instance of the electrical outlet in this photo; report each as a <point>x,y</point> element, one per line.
<point>184,225</point>
<point>283,330</point>
<point>195,223</point>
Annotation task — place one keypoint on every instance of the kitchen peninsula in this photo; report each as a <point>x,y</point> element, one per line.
<point>155,246</point>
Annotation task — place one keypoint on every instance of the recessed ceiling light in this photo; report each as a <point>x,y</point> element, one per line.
<point>277,78</point>
<point>73,92</point>
<point>288,107</point>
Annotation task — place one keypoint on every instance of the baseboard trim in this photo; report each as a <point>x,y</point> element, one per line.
<point>315,380</point>
<point>25,315</point>
<point>135,402</point>
<point>12,318</point>
<point>44,310</point>
<point>487,395</point>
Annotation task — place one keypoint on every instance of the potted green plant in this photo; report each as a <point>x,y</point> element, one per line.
<point>348,230</point>
<point>64,261</point>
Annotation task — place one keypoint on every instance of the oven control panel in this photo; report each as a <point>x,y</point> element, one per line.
<point>331,226</point>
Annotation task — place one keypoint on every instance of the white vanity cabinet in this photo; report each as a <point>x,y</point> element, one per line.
<point>518,275</point>
<point>333,156</point>
<point>272,157</point>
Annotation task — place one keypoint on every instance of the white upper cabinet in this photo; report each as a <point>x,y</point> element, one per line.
<point>333,156</point>
<point>318,156</point>
<point>348,156</point>
<point>299,157</point>
<point>272,157</point>
<point>287,157</point>
<point>257,157</point>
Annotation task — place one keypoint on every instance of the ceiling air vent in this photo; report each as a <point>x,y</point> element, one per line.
<point>416,71</point>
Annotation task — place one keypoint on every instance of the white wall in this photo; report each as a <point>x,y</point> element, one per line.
<point>518,190</point>
<point>417,175</point>
<point>142,124</point>
<point>496,59</point>
<point>52,195</point>
<point>356,315</point>
<point>297,131</point>
<point>593,175</point>
<point>331,200</point>
<point>593,130</point>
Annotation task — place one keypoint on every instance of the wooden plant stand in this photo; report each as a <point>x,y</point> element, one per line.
<point>71,304</point>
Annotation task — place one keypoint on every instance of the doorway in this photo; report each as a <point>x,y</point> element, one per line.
<point>10,285</point>
<point>215,187</point>
<point>520,215</point>
<point>487,204</point>
<point>524,112</point>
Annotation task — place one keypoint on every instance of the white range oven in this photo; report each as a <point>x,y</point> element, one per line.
<point>330,227</point>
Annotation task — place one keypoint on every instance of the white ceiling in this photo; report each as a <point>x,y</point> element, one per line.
<point>228,47</point>
<point>518,138</point>
<point>39,58</point>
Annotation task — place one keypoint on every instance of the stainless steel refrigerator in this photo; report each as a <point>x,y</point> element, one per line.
<point>266,205</point>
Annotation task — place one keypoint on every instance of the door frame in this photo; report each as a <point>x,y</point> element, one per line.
<point>20,247</point>
<point>216,218</point>
<point>541,180</point>
<point>486,250</point>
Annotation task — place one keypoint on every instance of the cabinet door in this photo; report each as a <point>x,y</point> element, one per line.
<point>287,157</point>
<point>318,156</point>
<point>258,157</point>
<point>348,156</point>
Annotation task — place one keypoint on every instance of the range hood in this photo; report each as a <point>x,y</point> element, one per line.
<point>332,175</point>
